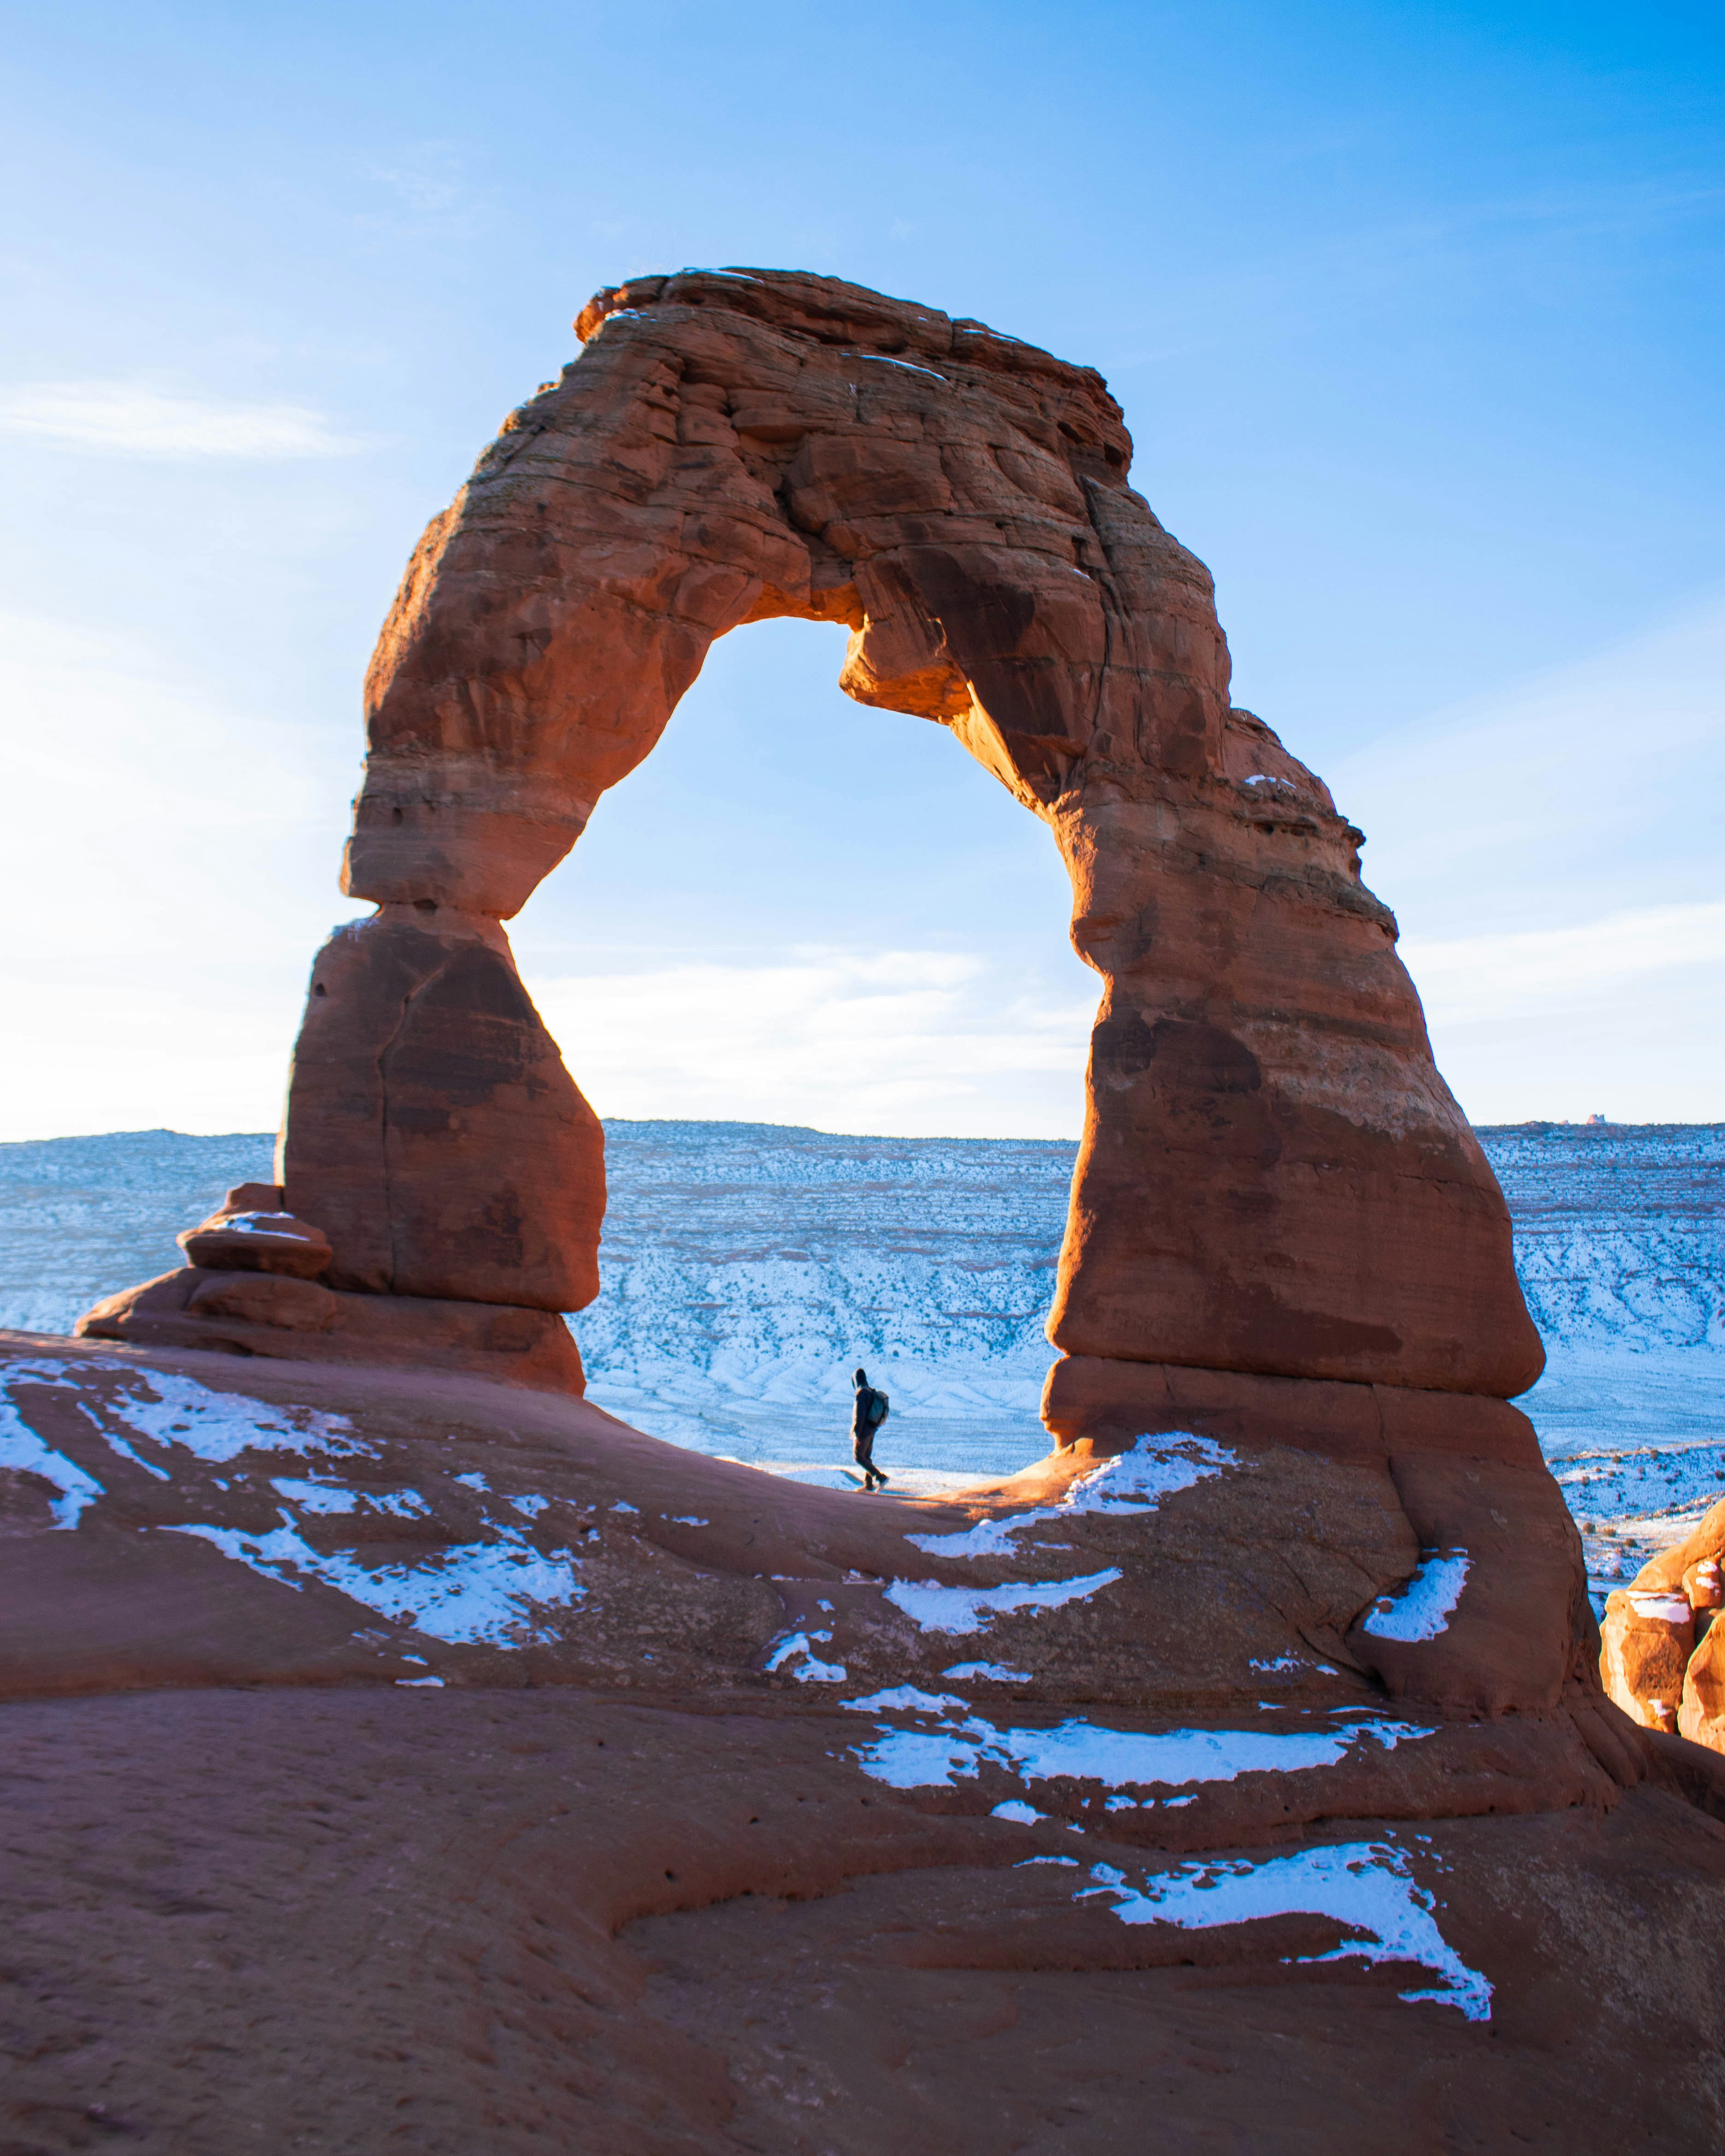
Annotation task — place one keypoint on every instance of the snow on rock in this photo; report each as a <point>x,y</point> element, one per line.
<point>908,1699</point>
<point>23,1452</point>
<point>475,1593</point>
<point>797,1649</point>
<point>1119,1758</point>
<point>161,1410</point>
<point>1135,1480</point>
<point>1421,1609</point>
<point>334,1498</point>
<point>1365,1886</point>
<point>168,1411</point>
<point>938,1609</point>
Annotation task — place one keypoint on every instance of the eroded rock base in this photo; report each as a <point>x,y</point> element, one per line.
<point>253,1313</point>
<point>1465,1472</point>
<point>496,1777</point>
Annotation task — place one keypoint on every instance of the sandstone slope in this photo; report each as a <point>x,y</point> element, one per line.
<point>411,1761</point>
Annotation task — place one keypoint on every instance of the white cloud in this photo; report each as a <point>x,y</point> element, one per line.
<point>893,1043</point>
<point>129,419</point>
<point>1623,1016</point>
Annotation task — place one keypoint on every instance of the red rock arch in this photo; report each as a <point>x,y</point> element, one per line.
<point>1274,1179</point>
<point>1282,1233</point>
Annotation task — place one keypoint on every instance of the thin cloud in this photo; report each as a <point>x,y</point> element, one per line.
<point>888,1041</point>
<point>1467,979</point>
<point>127,419</point>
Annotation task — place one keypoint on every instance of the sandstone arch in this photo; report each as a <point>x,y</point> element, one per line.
<point>1274,1179</point>
<point>1282,1233</point>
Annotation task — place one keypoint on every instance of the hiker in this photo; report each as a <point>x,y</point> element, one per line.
<point>866,1418</point>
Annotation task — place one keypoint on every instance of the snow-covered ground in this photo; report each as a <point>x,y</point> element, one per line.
<point>748,1268</point>
<point>1620,1245</point>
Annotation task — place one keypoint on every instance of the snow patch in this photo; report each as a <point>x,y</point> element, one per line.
<point>908,1699</point>
<point>938,1609</point>
<point>808,1667</point>
<point>995,1672</point>
<point>1364,1884</point>
<point>332,1497</point>
<point>217,1427</point>
<point>1666,1608</point>
<point>1421,1609</point>
<point>282,1226</point>
<point>908,365</point>
<point>1119,1758</point>
<point>22,1452</point>
<point>470,1594</point>
<point>1135,1480</point>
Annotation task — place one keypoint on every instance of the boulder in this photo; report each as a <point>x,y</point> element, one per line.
<point>297,1306</point>
<point>1704,1584</point>
<point>1700,1712</point>
<point>272,1242</point>
<point>1646,1640</point>
<point>250,1197</point>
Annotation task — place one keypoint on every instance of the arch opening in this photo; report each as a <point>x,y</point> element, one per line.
<point>800,910</point>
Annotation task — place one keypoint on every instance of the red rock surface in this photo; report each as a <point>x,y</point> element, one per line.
<point>1664,1659</point>
<point>431,1130</point>
<point>303,1320</point>
<point>403,1760</point>
<point>258,1242</point>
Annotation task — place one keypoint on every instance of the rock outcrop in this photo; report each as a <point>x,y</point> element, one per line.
<point>1274,1179</point>
<point>1282,1230</point>
<point>644,1802</point>
<point>1664,1657</point>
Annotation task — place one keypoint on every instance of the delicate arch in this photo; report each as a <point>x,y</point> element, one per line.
<point>1273,1177</point>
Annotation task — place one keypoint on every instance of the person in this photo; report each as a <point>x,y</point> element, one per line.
<point>866,1417</point>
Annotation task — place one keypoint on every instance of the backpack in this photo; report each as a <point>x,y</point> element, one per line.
<point>877,1410</point>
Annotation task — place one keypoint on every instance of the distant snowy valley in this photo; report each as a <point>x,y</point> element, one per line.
<point>748,1268</point>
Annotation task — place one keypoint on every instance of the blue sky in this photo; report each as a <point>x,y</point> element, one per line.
<point>1415,314</point>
